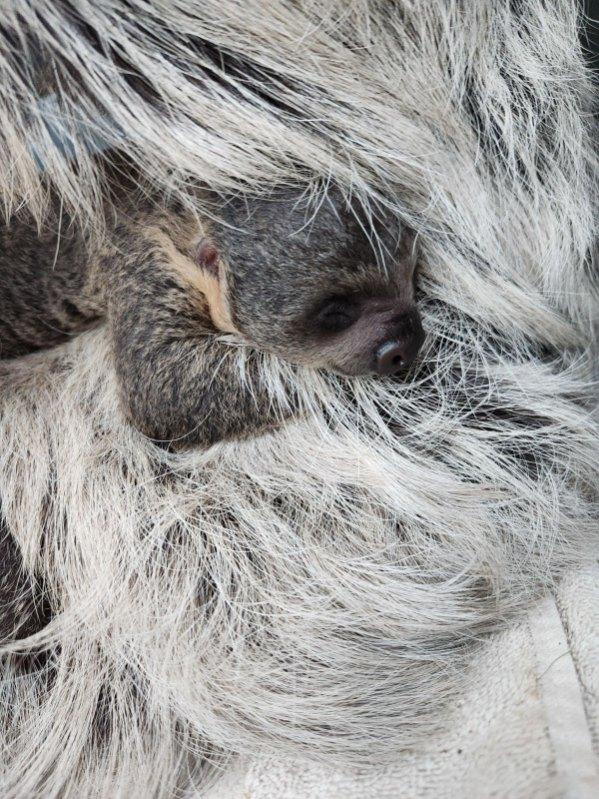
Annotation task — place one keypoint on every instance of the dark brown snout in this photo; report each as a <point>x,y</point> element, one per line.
<point>399,350</point>
<point>384,337</point>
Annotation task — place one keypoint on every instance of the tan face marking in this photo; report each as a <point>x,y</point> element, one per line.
<point>209,282</point>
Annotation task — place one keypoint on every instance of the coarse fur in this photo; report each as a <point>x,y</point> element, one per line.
<point>315,591</point>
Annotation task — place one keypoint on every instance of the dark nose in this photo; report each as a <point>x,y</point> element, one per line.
<point>397,353</point>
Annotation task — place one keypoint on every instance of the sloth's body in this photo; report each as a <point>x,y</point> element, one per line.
<point>306,286</point>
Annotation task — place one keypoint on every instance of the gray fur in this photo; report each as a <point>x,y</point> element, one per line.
<point>315,591</point>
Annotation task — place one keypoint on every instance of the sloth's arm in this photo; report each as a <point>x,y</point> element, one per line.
<point>181,386</point>
<point>42,280</point>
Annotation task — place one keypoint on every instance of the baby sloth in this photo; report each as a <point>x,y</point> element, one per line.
<point>307,287</point>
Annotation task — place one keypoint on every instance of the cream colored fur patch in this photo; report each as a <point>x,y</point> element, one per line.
<point>212,288</point>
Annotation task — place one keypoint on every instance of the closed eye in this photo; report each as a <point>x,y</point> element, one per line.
<point>336,315</point>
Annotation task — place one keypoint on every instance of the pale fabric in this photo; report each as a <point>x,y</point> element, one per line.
<point>527,727</point>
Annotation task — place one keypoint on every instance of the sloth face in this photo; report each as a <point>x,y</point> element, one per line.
<point>309,288</point>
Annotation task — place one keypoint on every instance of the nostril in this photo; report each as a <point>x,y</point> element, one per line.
<point>398,353</point>
<point>391,358</point>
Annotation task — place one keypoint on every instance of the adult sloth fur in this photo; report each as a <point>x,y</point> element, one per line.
<point>317,590</point>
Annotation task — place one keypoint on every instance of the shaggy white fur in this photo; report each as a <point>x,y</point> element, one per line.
<point>316,590</point>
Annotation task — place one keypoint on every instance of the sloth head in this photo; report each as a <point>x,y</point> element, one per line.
<point>308,286</point>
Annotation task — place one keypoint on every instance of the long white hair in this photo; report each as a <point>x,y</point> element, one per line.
<point>317,590</point>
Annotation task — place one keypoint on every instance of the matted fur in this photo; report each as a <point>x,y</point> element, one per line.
<point>315,591</point>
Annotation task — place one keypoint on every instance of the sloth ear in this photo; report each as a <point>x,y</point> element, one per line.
<point>207,257</point>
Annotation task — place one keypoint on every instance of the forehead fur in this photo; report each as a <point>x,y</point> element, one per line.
<point>287,232</point>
